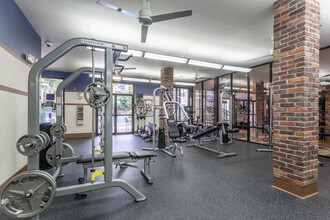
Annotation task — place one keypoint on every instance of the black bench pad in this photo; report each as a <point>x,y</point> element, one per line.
<point>206,132</point>
<point>115,156</point>
<point>142,154</point>
<point>100,156</point>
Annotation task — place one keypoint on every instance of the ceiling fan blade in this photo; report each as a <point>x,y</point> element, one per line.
<point>130,68</point>
<point>144,32</point>
<point>169,16</point>
<point>108,5</point>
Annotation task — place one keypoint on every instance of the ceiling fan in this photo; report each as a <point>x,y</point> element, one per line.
<point>145,16</point>
<point>120,68</point>
<point>197,77</point>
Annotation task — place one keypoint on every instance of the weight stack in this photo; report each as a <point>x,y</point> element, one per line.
<point>161,138</point>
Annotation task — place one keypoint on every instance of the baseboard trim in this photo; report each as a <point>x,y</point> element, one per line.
<point>78,135</point>
<point>23,169</point>
<point>302,192</point>
<point>306,197</point>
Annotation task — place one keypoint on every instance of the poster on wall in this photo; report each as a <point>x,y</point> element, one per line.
<point>80,114</point>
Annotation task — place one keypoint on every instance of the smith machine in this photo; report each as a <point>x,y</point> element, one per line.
<point>27,194</point>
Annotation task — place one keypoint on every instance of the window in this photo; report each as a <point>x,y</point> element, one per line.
<point>122,108</point>
<point>47,99</point>
<point>121,88</point>
<point>259,104</point>
<point>197,91</point>
<point>182,96</point>
<point>208,102</point>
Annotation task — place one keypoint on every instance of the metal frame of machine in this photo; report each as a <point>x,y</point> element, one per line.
<point>33,142</point>
<point>225,98</point>
<point>168,101</point>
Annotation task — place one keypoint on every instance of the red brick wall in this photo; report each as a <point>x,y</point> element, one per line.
<point>167,80</point>
<point>260,103</point>
<point>327,111</point>
<point>296,80</point>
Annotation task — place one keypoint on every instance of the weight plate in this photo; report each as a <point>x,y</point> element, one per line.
<point>64,128</point>
<point>226,95</point>
<point>67,151</point>
<point>97,95</point>
<point>57,130</point>
<point>30,144</point>
<point>45,137</point>
<point>27,194</point>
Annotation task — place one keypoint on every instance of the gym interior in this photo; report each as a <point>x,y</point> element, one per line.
<point>171,109</point>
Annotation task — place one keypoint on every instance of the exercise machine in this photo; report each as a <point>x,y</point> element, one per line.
<point>27,194</point>
<point>119,158</point>
<point>141,111</point>
<point>176,139</point>
<point>170,123</point>
<point>219,129</point>
<point>223,129</point>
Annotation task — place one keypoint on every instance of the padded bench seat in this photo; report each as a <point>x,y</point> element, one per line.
<point>115,156</point>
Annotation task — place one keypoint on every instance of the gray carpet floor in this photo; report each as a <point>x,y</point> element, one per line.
<point>196,186</point>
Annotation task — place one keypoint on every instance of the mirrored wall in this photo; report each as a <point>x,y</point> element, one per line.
<point>250,95</point>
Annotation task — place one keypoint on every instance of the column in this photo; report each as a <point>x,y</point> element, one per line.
<point>296,82</point>
<point>260,107</point>
<point>167,80</point>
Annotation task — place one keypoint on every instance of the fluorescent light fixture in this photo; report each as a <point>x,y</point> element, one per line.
<point>238,69</point>
<point>184,84</point>
<point>155,81</point>
<point>135,53</point>
<point>134,79</point>
<point>165,58</point>
<point>96,48</point>
<point>205,64</point>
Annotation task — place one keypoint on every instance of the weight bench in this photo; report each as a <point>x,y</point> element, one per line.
<point>219,129</point>
<point>123,159</point>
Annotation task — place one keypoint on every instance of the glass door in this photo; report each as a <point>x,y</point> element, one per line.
<point>208,102</point>
<point>123,114</point>
<point>241,114</point>
<point>259,104</point>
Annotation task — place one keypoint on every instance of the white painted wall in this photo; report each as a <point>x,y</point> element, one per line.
<point>70,112</point>
<point>13,113</point>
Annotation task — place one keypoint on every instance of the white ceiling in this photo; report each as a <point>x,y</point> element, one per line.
<point>222,31</point>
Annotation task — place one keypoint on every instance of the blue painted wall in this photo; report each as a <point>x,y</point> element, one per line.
<point>16,32</point>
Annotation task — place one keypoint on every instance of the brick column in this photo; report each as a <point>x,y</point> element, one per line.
<point>167,80</point>
<point>260,103</point>
<point>327,112</point>
<point>296,82</point>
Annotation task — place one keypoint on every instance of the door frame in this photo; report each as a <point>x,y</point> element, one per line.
<point>115,114</point>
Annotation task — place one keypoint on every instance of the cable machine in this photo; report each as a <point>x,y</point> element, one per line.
<point>166,96</point>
